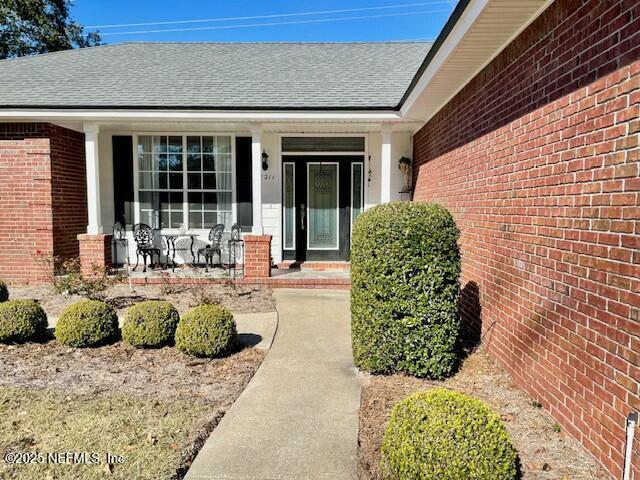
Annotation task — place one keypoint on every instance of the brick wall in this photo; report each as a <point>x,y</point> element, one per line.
<point>257,256</point>
<point>538,160</point>
<point>42,201</point>
<point>69,190</point>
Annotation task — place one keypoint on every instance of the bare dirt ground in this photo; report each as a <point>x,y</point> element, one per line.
<point>239,299</point>
<point>155,407</point>
<point>122,369</point>
<point>544,453</point>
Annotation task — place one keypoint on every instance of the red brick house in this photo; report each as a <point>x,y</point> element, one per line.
<point>523,118</point>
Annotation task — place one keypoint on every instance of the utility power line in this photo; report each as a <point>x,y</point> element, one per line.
<point>279,15</point>
<point>271,24</point>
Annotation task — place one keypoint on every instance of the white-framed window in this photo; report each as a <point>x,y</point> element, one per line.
<point>185,181</point>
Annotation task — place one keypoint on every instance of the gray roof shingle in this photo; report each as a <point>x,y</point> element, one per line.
<point>215,75</point>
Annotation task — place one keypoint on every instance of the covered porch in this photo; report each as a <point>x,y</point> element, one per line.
<point>292,187</point>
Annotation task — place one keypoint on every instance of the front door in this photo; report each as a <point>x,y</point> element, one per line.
<point>319,203</point>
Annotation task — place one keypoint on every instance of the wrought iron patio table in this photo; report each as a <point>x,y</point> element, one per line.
<point>171,239</point>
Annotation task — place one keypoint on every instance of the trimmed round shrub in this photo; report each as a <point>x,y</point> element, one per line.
<point>4,292</point>
<point>405,284</point>
<point>150,324</point>
<point>206,331</point>
<point>446,435</point>
<point>21,320</point>
<point>87,323</point>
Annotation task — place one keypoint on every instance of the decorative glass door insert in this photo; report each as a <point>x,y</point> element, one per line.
<point>322,204</point>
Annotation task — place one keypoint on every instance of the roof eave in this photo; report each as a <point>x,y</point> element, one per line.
<point>455,59</point>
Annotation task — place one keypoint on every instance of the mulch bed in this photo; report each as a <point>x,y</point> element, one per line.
<point>544,453</point>
<point>239,299</point>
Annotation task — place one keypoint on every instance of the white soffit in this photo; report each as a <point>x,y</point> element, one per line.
<point>483,30</point>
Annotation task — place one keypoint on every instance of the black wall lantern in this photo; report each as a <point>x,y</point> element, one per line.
<point>265,160</point>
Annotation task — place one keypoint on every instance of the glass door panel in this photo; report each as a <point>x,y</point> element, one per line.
<point>322,193</point>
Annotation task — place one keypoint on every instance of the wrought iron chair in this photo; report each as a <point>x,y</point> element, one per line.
<point>143,235</point>
<point>119,239</point>
<point>233,244</point>
<point>215,237</point>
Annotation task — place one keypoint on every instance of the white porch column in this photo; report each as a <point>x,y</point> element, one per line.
<point>256,178</point>
<point>385,165</point>
<point>92,161</point>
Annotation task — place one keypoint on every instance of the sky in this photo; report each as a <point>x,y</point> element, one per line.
<point>273,21</point>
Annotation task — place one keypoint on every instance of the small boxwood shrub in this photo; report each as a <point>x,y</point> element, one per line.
<point>21,320</point>
<point>447,435</point>
<point>150,324</point>
<point>206,331</point>
<point>4,292</point>
<point>87,323</point>
<point>405,271</point>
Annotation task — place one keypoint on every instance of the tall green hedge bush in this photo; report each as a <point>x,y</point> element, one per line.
<point>446,435</point>
<point>405,271</point>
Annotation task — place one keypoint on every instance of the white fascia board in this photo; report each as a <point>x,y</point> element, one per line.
<point>462,26</point>
<point>186,116</point>
<point>466,21</point>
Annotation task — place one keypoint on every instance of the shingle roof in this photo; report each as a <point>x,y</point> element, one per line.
<point>215,75</point>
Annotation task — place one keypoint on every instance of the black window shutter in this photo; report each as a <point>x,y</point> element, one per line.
<point>123,179</point>
<point>244,193</point>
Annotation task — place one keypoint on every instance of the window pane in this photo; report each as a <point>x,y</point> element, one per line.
<point>209,181</point>
<point>289,209</point>
<point>162,180</point>
<point>146,200</point>
<point>193,144</point>
<point>193,162</point>
<point>176,200</point>
<point>223,163</point>
<point>323,206</point>
<point>195,201</point>
<point>176,219</point>
<point>208,162</point>
<point>144,161</point>
<point>144,144</point>
<point>175,144</point>
<point>195,220</point>
<point>175,181</point>
<point>210,219</point>
<point>356,191</point>
<point>146,180</point>
<point>159,144</point>
<point>223,144</point>
<point>175,162</point>
<point>194,181</point>
<point>160,163</point>
<point>207,144</point>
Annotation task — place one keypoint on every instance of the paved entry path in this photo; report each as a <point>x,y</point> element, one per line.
<point>298,417</point>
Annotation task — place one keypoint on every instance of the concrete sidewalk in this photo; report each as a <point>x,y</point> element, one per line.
<point>298,417</point>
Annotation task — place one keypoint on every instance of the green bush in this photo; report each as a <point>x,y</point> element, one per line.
<point>150,324</point>
<point>206,331</point>
<point>4,292</point>
<point>405,270</point>
<point>87,323</point>
<point>21,320</point>
<point>446,435</point>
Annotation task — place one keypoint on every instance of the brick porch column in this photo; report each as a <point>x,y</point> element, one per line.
<point>257,256</point>
<point>94,250</point>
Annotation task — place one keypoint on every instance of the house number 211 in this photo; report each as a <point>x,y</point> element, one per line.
<point>268,176</point>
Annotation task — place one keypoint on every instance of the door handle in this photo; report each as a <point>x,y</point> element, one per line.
<point>303,214</point>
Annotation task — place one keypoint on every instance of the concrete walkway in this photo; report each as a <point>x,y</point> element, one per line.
<point>298,417</point>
